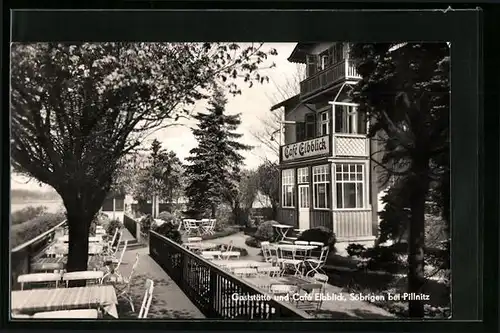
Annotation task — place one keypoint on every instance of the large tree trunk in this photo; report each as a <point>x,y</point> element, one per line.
<point>416,239</point>
<point>78,242</point>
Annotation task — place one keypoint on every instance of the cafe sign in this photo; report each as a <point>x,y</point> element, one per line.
<point>309,148</point>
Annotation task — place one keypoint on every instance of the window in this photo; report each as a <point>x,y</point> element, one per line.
<point>348,120</point>
<point>107,205</point>
<point>303,175</point>
<point>288,188</point>
<point>310,126</point>
<point>349,180</point>
<point>321,186</point>
<point>324,123</point>
<point>119,204</point>
<point>300,131</point>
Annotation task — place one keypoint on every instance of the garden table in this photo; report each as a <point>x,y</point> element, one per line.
<point>282,230</point>
<point>92,239</point>
<point>63,249</point>
<point>240,263</point>
<point>200,246</point>
<point>42,300</point>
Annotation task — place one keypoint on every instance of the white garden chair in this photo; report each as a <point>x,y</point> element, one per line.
<point>123,284</point>
<point>279,289</point>
<point>208,226</point>
<point>287,258</point>
<point>110,248</point>
<point>115,262</point>
<point>267,252</point>
<point>146,301</point>
<point>77,314</point>
<point>39,278</point>
<point>316,264</point>
<point>314,290</point>
<point>191,226</point>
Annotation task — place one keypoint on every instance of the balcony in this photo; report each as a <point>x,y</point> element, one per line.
<point>327,78</point>
<point>336,145</point>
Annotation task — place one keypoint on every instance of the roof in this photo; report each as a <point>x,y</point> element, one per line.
<point>294,100</point>
<point>299,53</point>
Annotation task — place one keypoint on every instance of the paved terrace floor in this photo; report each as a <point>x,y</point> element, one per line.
<point>348,309</point>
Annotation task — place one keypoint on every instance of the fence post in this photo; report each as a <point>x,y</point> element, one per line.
<point>137,230</point>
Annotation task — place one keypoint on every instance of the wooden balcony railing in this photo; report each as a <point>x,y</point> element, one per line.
<point>21,257</point>
<point>214,291</point>
<point>327,77</point>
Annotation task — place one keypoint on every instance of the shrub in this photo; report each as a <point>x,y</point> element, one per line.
<point>224,217</point>
<point>147,222</point>
<point>265,231</point>
<point>99,219</point>
<point>381,258</point>
<point>168,217</point>
<point>319,234</point>
<point>355,250</point>
<point>252,242</point>
<point>112,226</point>
<point>23,232</point>
<point>27,213</point>
<point>169,230</point>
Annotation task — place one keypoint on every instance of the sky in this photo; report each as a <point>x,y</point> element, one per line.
<point>253,104</point>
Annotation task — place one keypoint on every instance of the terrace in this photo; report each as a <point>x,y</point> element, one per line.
<point>188,282</point>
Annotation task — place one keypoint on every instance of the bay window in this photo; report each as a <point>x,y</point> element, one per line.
<point>349,121</point>
<point>288,188</point>
<point>321,186</point>
<point>349,180</point>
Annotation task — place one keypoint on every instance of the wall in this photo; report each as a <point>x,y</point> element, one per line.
<point>114,215</point>
<point>297,115</point>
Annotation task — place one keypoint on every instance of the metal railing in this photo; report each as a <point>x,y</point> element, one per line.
<point>217,293</point>
<point>21,257</point>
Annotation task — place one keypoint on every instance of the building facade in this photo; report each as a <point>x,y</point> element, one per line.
<point>327,177</point>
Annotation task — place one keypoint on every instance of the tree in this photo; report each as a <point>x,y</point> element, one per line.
<point>78,109</point>
<point>268,183</point>
<point>265,134</point>
<point>159,178</point>
<point>242,197</point>
<point>405,93</point>
<point>214,172</point>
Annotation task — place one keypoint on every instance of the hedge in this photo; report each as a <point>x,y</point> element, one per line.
<point>23,232</point>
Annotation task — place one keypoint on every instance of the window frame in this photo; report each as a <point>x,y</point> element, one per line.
<point>355,181</point>
<point>287,180</point>
<point>326,181</point>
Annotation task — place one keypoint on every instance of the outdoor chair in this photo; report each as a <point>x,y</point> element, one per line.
<point>110,248</point>
<point>77,314</point>
<point>210,255</point>
<point>90,276</point>
<point>301,242</point>
<point>271,271</point>
<point>317,244</point>
<point>287,258</point>
<point>245,272</point>
<point>208,226</point>
<point>146,301</point>
<point>314,290</point>
<point>39,278</point>
<point>113,263</point>
<point>191,226</point>
<point>316,264</point>
<point>267,252</point>
<point>123,284</point>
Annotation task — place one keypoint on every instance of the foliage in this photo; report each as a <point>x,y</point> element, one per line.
<point>27,213</point>
<point>215,166</point>
<point>380,258</point>
<point>170,231</point>
<point>268,183</point>
<point>404,92</point>
<point>147,222</point>
<point>224,217</point>
<point>169,218</point>
<point>355,250</point>
<point>252,242</point>
<point>319,234</point>
<point>161,175</point>
<point>79,108</point>
<point>243,197</point>
<point>22,232</point>
<point>265,231</point>
<point>112,226</point>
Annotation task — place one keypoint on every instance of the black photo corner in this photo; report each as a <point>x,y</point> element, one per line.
<point>254,166</point>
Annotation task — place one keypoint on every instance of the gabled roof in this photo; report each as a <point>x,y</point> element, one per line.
<point>299,52</point>
<point>294,100</point>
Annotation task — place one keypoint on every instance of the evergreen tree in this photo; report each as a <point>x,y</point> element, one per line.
<point>405,92</point>
<point>214,173</point>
